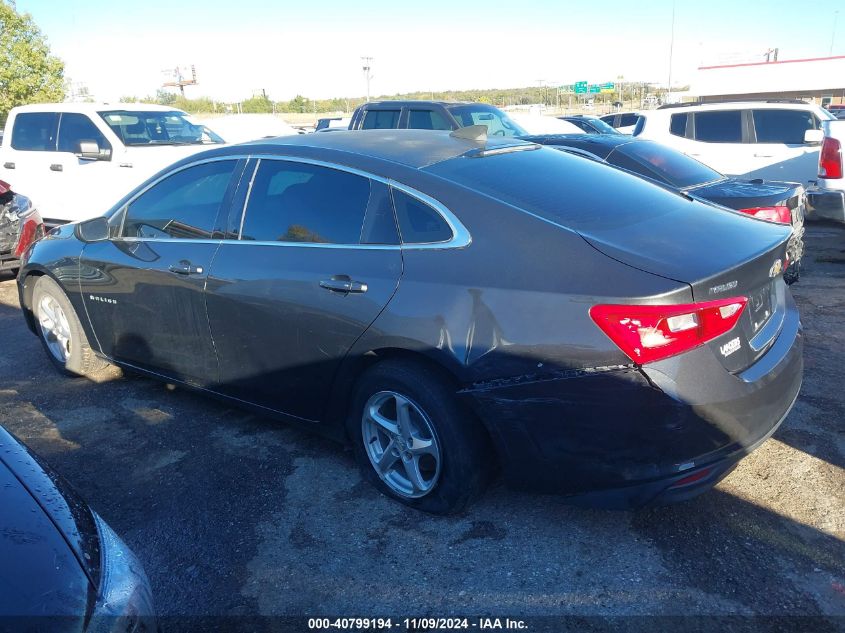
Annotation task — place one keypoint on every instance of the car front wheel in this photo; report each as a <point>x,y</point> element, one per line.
<point>415,442</point>
<point>60,331</point>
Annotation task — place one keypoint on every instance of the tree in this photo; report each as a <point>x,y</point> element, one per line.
<point>28,72</point>
<point>258,104</point>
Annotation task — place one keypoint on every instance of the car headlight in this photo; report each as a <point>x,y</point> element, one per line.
<point>124,600</point>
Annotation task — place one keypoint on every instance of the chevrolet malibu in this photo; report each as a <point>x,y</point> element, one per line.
<point>452,306</point>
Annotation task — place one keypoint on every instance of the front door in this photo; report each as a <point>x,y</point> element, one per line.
<point>144,289</point>
<point>779,149</point>
<point>315,262</point>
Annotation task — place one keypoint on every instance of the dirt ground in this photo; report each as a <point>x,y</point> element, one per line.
<point>236,515</point>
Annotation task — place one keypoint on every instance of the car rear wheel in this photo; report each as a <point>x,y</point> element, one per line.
<point>60,331</point>
<point>414,441</point>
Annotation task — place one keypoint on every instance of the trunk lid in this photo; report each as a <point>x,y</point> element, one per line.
<point>743,194</point>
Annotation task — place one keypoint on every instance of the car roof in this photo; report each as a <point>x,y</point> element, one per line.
<point>599,144</point>
<point>412,148</point>
<point>418,102</point>
<point>94,108</point>
<point>733,105</point>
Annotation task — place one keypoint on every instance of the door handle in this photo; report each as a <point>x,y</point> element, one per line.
<point>763,155</point>
<point>9,165</point>
<point>56,167</point>
<point>343,283</point>
<point>185,268</point>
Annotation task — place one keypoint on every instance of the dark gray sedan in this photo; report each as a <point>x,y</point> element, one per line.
<point>450,305</point>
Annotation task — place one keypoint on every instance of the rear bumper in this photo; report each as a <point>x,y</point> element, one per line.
<point>826,203</point>
<point>626,437</point>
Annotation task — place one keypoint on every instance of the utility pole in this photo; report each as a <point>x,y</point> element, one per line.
<point>671,49</point>
<point>833,33</point>
<point>366,65</point>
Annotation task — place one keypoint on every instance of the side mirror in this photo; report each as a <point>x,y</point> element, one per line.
<point>93,230</point>
<point>90,150</point>
<point>813,137</point>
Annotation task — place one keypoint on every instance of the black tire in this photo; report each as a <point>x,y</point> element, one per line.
<point>793,273</point>
<point>467,458</point>
<point>80,360</point>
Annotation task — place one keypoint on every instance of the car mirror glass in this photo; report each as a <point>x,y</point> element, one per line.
<point>94,230</point>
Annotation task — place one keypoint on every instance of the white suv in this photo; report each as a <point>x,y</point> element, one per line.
<point>772,140</point>
<point>74,160</point>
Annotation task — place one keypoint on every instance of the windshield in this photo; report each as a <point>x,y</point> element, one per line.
<point>602,127</point>
<point>662,163</point>
<point>157,128</point>
<point>497,122</point>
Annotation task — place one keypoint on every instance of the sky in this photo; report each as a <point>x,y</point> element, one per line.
<point>118,48</point>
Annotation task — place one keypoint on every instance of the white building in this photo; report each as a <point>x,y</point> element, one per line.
<point>821,80</point>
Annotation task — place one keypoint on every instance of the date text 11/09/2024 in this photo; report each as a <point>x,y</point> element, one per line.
<point>416,624</point>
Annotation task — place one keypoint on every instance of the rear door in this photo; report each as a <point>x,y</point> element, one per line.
<point>144,289</point>
<point>315,260</point>
<point>779,149</point>
<point>721,141</point>
<point>29,158</point>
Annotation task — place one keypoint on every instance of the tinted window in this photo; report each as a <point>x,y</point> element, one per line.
<point>782,126</point>
<point>609,118</point>
<point>719,127</point>
<point>380,120</point>
<point>184,205</point>
<point>497,122</point>
<point>678,124</point>
<point>584,125</point>
<point>380,221</point>
<point>626,120</point>
<point>662,163</point>
<point>75,128</point>
<point>35,131</point>
<point>427,120</point>
<point>297,202</point>
<point>418,222</point>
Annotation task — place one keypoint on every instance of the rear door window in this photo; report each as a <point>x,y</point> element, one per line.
<point>427,120</point>
<point>782,126</point>
<point>299,202</point>
<point>184,205</point>
<point>381,120</point>
<point>75,128</point>
<point>35,131</point>
<point>626,120</point>
<point>724,126</point>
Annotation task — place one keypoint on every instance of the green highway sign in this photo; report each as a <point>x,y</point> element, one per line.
<point>595,88</point>
<point>608,87</point>
<point>580,87</point>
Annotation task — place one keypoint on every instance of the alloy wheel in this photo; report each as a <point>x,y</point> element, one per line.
<point>401,444</point>
<point>55,328</point>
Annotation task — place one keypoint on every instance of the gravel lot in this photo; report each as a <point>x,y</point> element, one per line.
<point>236,515</point>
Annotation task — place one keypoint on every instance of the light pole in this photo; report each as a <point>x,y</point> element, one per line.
<point>833,33</point>
<point>365,62</point>
<point>671,49</point>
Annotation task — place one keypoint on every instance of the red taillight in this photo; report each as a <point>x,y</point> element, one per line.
<point>28,232</point>
<point>830,159</point>
<point>5,187</point>
<point>691,479</point>
<point>647,333</point>
<point>781,215</point>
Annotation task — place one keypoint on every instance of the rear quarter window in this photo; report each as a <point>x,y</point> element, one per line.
<point>419,223</point>
<point>678,124</point>
<point>782,126</point>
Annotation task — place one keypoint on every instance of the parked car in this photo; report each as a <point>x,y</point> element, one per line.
<point>445,302</point>
<point>242,128</point>
<point>773,201</point>
<point>20,226</point>
<point>433,115</point>
<point>772,140</point>
<point>827,198</point>
<point>64,569</point>
<point>332,123</point>
<point>622,122</point>
<point>53,151</point>
<point>590,124</point>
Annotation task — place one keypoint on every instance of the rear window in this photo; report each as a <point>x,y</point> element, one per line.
<point>35,131</point>
<point>783,126</point>
<point>381,120</point>
<point>587,195</point>
<point>662,163</point>
<point>719,127</point>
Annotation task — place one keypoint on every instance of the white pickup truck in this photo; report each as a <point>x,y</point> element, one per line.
<point>827,198</point>
<point>74,160</point>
